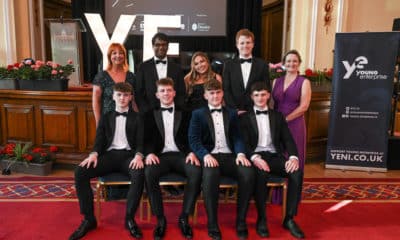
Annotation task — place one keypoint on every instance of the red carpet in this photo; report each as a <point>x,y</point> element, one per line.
<point>56,220</point>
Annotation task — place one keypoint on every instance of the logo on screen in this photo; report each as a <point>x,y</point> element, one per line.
<point>357,64</point>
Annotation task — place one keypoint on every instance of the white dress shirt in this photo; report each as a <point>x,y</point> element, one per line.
<point>120,142</point>
<point>168,120</point>
<point>161,68</point>
<point>246,68</point>
<point>221,145</point>
<point>264,133</point>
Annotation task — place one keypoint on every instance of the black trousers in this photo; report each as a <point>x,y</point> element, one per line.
<point>211,177</point>
<point>172,162</point>
<point>111,161</point>
<point>276,164</point>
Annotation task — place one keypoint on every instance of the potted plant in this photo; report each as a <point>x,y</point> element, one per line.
<point>8,77</point>
<point>44,76</point>
<point>321,80</point>
<point>20,157</point>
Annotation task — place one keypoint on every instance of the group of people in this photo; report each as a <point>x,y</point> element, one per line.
<point>202,126</point>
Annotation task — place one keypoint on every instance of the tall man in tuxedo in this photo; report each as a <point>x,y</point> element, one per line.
<point>154,69</point>
<point>267,138</point>
<point>167,150</point>
<point>118,147</point>
<point>240,73</point>
<point>215,139</point>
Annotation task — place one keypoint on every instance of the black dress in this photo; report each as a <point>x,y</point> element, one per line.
<point>196,98</point>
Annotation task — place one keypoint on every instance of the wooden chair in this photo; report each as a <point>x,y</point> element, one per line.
<point>170,179</point>
<point>278,182</point>
<point>111,179</point>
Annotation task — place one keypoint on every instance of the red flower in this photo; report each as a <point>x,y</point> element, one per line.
<point>53,149</point>
<point>37,150</point>
<point>43,154</point>
<point>28,157</point>
<point>308,72</point>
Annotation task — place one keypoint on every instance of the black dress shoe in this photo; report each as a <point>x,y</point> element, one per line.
<point>84,228</point>
<point>242,233</point>
<point>214,234</point>
<point>185,228</point>
<point>133,228</point>
<point>293,228</point>
<point>159,231</point>
<point>262,229</point>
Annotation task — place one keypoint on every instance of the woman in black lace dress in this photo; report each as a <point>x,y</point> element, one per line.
<point>199,74</point>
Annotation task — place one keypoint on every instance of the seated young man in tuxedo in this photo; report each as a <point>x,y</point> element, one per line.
<point>118,147</point>
<point>267,138</point>
<point>215,139</point>
<point>167,150</point>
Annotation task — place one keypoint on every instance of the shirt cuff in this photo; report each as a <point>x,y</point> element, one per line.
<point>94,153</point>
<point>139,154</point>
<point>295,157</point>
<point>241,155</point>
<point>254,156</point>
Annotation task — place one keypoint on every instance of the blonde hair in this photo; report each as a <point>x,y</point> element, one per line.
<point>116,47</point>
<point>193,75</point>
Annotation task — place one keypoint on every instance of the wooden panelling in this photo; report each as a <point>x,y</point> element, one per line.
<point>18,123</point>
<point>317,121</point>
<point>59,126</point>
<point>64,119</point>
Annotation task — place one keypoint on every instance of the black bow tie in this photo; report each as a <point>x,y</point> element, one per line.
<point>125,114</point>
<point>161,61</point>
<point>242,60</point>
<point>216,110</point>
<point>261,112</point>
<point>167,109</point>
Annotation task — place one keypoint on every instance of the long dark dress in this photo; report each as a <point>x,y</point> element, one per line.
<point>285,102</point>
<point>196,98</point>
<point>106,83</point>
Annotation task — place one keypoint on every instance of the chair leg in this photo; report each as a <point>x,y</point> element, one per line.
<point>98,207</point>
<point>284,200</point>
<point>195,214</point>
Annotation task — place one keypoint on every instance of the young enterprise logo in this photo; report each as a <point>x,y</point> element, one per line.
<point>358,67</point>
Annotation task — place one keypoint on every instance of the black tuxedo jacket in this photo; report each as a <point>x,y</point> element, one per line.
<point>281,137</point>
<point>145,88</point>
<point>155,132</point>
<point>202,132</point>
<point>237,95</point>
<point>106,129</point>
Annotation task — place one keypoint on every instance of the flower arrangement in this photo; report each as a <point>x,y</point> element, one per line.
<point>37,70</point>
<point>18,152</point>
<point>318,76</point>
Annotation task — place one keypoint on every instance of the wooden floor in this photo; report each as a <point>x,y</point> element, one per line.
<point>312,170</point>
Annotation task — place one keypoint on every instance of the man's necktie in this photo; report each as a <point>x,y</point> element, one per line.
<point>261,112</point>
<point>161,61</point>
<point>169,109</point>
<point>216,110</point>
<point>242,60</point>
<point>125,114</point>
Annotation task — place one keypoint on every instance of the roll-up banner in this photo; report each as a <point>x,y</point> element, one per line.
<point>364,65</point>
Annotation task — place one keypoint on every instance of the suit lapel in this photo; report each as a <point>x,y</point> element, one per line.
<point>252,70</point>
<point>239,74</point>
<point>177,121</point>
<point>253,123</point>
<point>225,116</point>
<point>154,69</point>
<point>159,122</point>
<point>272,124</point>
<point>210,123</point>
